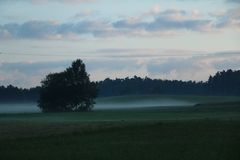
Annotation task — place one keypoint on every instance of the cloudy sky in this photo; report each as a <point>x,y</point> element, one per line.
<point>174,39</point>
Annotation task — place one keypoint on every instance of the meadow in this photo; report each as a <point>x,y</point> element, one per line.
<point>208,129</point>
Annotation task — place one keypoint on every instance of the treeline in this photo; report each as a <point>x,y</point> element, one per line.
<point>222,83</point>
<point>137,85</point>
<point>15,94</point>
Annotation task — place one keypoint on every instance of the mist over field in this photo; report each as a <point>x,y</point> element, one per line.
<point>29,107</point>
<point>126,102</point>
<point>105,103</point>
<point>135,102</point>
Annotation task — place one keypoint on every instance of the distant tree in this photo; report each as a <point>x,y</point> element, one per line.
<point>70,90</point>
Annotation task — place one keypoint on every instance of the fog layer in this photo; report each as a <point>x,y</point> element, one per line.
<point>141,103</point>
<point>106,103</point>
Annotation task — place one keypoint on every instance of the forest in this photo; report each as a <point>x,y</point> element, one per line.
<point>222,83</point>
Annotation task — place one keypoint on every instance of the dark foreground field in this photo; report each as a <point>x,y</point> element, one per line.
<point>204,132</point>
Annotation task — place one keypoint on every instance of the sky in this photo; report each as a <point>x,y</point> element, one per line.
<point>174,39</point>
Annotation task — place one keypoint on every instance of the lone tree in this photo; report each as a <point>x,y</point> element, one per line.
<point>70,90</point>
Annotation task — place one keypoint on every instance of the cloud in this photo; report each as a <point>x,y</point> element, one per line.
<point>193,68</point>
<point>160,21</point>
<point>86,13</point>
<point>225,63</point>
<point>60,1</point>
<point>229,19</point>
<point>51,29</point>
<point>156,23</point>
<point>25,74</point>
<point>233,1</point>
<point>48,1</point>
<point>170,19</point>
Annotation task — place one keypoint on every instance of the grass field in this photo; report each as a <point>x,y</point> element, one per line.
<point>207,131</point>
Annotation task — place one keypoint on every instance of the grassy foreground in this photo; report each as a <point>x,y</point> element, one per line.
<point>209,132</point>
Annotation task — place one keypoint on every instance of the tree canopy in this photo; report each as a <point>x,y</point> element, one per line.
<point>70,90</point>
